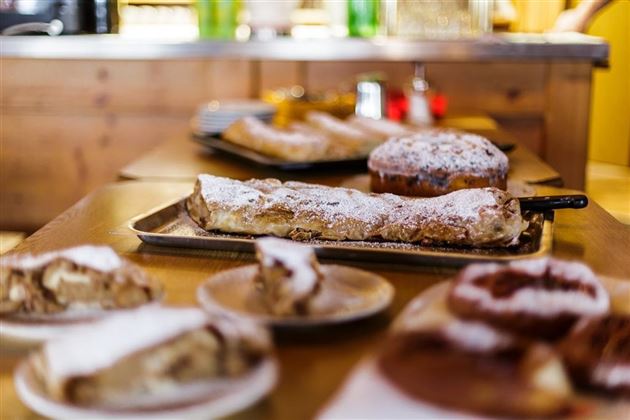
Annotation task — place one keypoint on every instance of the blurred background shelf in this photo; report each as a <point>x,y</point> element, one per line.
<point>509,47</point>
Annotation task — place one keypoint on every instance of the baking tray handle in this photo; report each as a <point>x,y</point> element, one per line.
<point>552,202</point>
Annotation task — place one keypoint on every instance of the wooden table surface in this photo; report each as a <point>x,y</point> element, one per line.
<point>182,159</point>
<point>313,365</point>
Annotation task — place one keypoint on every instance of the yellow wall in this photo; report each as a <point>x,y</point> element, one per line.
<point>610,112</point>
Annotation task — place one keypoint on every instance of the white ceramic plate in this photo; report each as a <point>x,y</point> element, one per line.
<point>29,330</point>
<point>347,294</point>
<point>212,399</point>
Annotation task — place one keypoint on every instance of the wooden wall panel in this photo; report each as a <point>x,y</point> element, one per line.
<point>48,162</point>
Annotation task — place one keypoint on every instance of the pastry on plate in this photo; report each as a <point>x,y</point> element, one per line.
<point>284,144</point>
<point>288,276</point>
<point>469,366</point>
<point>597,353</point>
<point>148,352</point>
<point>539,298</point>
<point>300,211</point>
<point>82,277</point>
<point>436,161</point>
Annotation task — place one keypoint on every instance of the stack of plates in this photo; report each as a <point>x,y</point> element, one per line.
<point>215,116</point>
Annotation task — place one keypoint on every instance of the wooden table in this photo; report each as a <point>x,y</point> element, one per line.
<point>312,365</point>
<point>181,159</point>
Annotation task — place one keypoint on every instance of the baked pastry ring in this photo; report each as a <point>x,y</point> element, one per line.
<point>538,298</point>
<point>470,366</point>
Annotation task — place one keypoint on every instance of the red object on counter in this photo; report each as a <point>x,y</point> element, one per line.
<point>397,105</point>
<point>439,105</point>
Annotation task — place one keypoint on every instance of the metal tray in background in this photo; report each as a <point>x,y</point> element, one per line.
<point>215,143</point>
<point>171,226</point>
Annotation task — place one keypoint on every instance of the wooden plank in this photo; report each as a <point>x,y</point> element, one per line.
<point>567,119</point>
<point>49,161</point>
<point>280,74</point>
<point>100,86</point>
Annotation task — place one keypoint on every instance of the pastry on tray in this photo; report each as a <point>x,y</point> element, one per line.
<point>436,161</point>
<point>284,144</point>
<point>148,352</point>
<point>288,275</point>
<point>82,277</point>
<point>538,298</point>
<point>597,353</point>
<point>382,129</point>
<point>472,367</point>
<point>300,211</point>
<point>355,139</point>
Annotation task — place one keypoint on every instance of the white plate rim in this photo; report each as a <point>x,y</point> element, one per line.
<point>259,383</point>
<point>208,303</point>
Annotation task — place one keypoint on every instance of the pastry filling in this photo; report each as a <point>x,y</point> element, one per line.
<point>504,284</point>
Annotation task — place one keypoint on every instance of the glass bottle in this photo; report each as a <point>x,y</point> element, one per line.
<point>363,18</point>
<point>218,19</point>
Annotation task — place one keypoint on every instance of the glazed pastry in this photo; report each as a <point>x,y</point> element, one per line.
<point>149,351</point>
<point>357,140</point>
<point>597,353</point>
<point>288,145</point>
<point>434,162</point>
<point>539,298</point>
<point>288,275</point>
<point>476,217</point>
<point>472,367</point>
<point>82,277</point>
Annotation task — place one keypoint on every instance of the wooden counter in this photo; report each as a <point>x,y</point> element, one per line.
<point>182,159</point>
<point>312,365</point>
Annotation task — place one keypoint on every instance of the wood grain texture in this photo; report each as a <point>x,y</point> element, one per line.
<point>181,159</point>
<point>567,120</point>
<point>313,365</point>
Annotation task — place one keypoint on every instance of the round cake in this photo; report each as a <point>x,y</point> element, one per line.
<point>434,162</point>
<point>541,298</point>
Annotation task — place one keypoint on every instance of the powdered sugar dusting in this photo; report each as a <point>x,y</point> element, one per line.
<point>470,216</point>
<point>476,336</point>
<point>99,258</point>
<point>612,375</point>
<point>537,301</point>
<point>86,350</point>
<point>297,258</point>
<point>438,150</point>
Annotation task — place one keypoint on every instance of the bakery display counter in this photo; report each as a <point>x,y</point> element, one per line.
<point>314,364</point>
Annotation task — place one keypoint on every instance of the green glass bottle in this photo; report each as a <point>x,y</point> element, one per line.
<point>363,18</point>
<point>217,18</point>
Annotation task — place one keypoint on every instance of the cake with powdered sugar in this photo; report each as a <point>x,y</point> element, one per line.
<point>288,276</point>
<point>539,297</point>
<point>472,367</point>
<point>436,161</point>
<point>82,277</point>
<point>300,211</point>
<point>597,353</point>
<point>147,352</point>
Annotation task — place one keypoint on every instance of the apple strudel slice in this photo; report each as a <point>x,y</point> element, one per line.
<point>148,352</point>
<point>82,277</point>
<point>473,217</point>
<point>288,275</point>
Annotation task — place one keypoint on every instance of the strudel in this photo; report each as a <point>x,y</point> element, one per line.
<point>147,352</point>
<point>300,211</point>
<point>288,275</point>
<point>82,277</point>
<point>284,144</point>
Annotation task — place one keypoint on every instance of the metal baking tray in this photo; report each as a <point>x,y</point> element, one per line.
<point>215,142</point>
<point>171,226</point>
